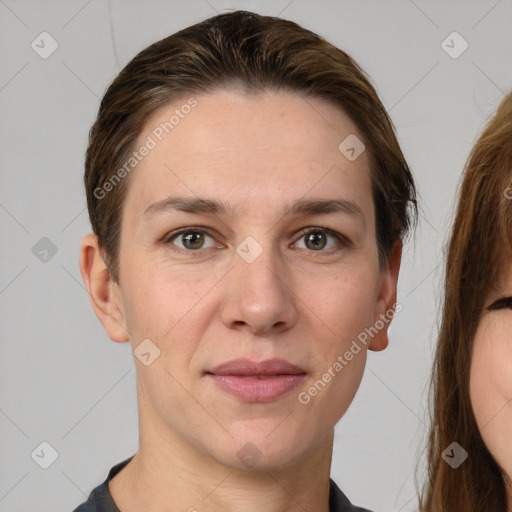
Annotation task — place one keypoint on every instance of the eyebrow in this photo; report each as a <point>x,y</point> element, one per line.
<point>215,207</point>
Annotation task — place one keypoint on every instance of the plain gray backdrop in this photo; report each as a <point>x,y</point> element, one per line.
<point>63,381</point>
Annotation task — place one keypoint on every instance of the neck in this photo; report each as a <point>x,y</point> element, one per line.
<point>169,474</point>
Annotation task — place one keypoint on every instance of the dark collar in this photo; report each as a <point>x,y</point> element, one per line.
<point>100,499</point>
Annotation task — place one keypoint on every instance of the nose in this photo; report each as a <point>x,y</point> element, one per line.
<point>259,295</point>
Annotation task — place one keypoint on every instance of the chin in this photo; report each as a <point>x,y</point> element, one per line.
<point>258,451</point>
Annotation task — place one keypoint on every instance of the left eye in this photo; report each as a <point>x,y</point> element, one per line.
<point>315,239</point>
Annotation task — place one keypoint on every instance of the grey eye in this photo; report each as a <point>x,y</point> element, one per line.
<point>191,240</point>
<point>317,239</point>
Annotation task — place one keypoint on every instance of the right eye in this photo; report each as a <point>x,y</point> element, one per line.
<point>502,303</point>
<point>192,239</point>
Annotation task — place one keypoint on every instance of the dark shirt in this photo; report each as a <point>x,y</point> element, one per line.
<point>100,499</point>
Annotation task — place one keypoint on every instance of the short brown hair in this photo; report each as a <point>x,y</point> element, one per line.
<point>252,53</point>
<point>479,252</point>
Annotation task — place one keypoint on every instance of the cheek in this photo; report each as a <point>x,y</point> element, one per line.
<point>347,300</point>
<point>491,389</point>
<point>345,306</point>
<point>157,299</point>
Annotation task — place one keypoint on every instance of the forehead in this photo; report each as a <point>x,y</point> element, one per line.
<point>250,148</point>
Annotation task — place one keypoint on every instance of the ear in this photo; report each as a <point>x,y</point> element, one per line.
<point>103,292</point>
<point>386,300</point>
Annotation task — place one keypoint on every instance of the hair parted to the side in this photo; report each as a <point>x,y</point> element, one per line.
<point>251,54</point>
<point>479,252</point>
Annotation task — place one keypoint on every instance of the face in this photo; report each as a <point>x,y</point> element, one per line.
<point>491,374</point>
<point>279,262</point>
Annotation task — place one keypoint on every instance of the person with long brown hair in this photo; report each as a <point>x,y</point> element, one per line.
<point>470,448</point>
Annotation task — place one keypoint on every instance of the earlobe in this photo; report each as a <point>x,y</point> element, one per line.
<point>105,300</point>
<point>386,301</point>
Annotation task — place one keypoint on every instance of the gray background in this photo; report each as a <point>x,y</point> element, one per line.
<point>62,380</point>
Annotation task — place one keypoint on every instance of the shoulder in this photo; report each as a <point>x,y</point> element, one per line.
<point>338,502</point>
<point>85,507</point>
<point>100,499</point>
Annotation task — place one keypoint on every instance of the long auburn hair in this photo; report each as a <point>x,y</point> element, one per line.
<point>479,251</point>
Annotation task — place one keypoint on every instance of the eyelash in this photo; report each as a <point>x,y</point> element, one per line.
<point>168,238</point>
<point>503,303</point>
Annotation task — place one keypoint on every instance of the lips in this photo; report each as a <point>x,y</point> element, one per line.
<point>251,381</point>
<point>245,367</point>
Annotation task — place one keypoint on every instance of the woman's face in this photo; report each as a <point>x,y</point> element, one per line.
<point>251,277</point>
<point>491,374</point>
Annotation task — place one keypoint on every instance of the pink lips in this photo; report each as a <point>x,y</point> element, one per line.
<point>263,381</point>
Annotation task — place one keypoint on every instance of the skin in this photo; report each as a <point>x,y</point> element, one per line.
<point>302,304</point>
<point>491,380</point>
